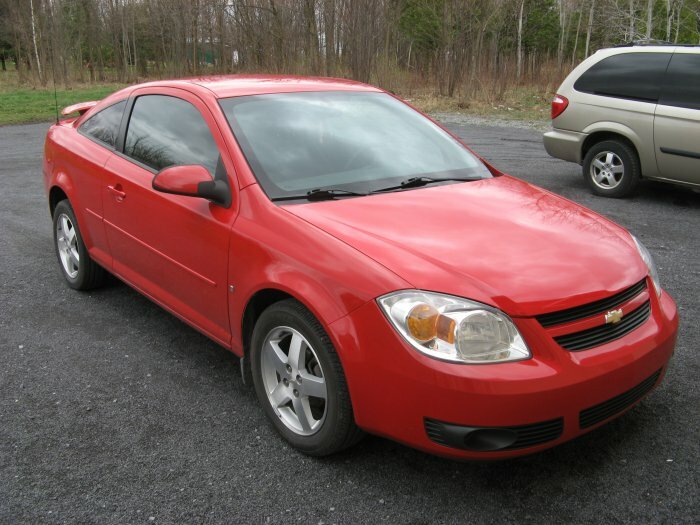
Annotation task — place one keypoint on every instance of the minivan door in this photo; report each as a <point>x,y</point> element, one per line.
<point>677,120</point>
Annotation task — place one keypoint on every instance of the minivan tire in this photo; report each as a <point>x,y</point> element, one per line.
<point>612,169</point>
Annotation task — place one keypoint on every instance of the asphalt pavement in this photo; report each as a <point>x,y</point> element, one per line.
<point>113,411</point>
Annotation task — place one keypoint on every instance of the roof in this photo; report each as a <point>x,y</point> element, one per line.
<point>239,85</point>
<point>224,86</point>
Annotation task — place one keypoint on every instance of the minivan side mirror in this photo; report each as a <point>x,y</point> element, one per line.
<point>192,181</point>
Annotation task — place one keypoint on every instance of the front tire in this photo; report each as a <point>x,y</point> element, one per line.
<point>300,382</point>
<point>79,270</point>
<point>611,169</point>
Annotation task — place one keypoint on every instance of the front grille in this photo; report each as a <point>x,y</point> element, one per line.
<point>591,309</point>
<point>605,333</point>
<point>527,435</point>
<point>607,409</point>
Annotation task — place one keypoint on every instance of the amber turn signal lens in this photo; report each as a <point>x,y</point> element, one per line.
<point>422,322</point>
<point>446,329</point>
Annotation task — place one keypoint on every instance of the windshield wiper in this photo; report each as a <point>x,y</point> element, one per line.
<point>322,194</point>
<point>319,194</point>
<point>416,182</point>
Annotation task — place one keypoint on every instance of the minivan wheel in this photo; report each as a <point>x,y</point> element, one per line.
<point>79,270</point>
<point>611,169</point>
<point>300,382</point>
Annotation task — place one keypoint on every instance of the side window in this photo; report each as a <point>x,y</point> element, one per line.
<point>636,76</point>
<point>167,131</point>
<point>104,126</point>
<point>682,84</point>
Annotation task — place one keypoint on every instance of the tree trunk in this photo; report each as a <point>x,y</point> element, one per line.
<point>520,40</point>
<point>36,50</point>
<point>678,21</point>
<point>590,28</point>
<point>195,39</point>
<point>650,15</point>
<point>222,37</point>
<point>578,32</point>
<point>329,34</point>
<point>311,44</point>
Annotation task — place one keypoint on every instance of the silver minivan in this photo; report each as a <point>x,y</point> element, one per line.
<point>628,113</point>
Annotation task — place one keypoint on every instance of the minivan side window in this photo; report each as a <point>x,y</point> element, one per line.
<point>104,126</point>
<point>682,83</point>
<point>168,131</point>
<point>634,76</point>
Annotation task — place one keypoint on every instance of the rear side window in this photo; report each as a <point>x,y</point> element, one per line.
<point>682,83</point>
<point>167,131</point>
<point>635,76</point>
<point>104,126</point>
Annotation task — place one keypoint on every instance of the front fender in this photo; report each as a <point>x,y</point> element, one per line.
<point>273,249</point>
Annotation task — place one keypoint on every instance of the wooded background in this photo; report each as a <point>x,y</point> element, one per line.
<point>454,47</point>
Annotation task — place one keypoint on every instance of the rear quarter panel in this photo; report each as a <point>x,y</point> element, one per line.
<point>74,163</point>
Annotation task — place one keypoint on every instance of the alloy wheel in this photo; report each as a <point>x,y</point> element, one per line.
<point>607,170</point>
<point>294,381</point>
<point>67,244</point>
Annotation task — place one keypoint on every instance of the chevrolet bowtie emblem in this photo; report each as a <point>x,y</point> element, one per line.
<point>613,316</point>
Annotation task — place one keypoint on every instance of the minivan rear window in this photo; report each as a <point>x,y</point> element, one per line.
<point>682,83</point>
<point>634,76</point>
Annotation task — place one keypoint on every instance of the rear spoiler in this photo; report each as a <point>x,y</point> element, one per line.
<point>80,107</point>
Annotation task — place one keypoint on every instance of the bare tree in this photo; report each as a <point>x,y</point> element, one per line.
<point>461,48</point>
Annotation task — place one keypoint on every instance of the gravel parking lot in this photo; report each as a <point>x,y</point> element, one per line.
<point>113,411</point>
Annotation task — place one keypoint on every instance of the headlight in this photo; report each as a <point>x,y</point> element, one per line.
<point>646,257</point>
<point>454,329</point>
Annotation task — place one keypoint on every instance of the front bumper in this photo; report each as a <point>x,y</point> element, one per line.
<point>565,145</point>
<point>396,391</point>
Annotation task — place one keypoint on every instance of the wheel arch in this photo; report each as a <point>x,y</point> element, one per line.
<point>61,188</point>
<point>603,135</point>
<point>600,131</point>
<point>255,306</point>
<point>56,195</point>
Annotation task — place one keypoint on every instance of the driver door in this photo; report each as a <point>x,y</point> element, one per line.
<point>172,248</point>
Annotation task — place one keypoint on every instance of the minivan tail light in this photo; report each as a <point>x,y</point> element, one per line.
<point>559,104</point>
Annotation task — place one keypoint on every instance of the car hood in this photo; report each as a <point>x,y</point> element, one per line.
<point>499,241</point>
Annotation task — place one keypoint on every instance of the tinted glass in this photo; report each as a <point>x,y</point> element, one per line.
<point>167,131</point>
<point>104,126</point>
<point>296,142</point>
<point>682,82</point>
<point>636,76</point>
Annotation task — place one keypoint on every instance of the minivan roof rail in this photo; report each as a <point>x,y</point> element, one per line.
<point>653,42</point>
<point>646,42</point>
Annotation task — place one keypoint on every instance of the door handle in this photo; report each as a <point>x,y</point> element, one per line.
<point>116,190</point>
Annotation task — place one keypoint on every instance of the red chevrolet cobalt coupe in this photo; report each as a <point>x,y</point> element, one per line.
<point>371,272</point>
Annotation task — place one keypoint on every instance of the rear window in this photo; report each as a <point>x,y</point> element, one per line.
<point>682,82</point>
<point>634,76</point>
<point>104,126</point>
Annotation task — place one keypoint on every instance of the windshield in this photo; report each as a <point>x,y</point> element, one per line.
<point>360,142</point>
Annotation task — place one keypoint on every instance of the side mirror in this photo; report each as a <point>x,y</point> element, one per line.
<point>192,181</point>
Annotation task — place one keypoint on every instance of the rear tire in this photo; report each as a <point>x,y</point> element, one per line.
<point>612,169</point>
<point>79,270</point>
<point>303,391</point>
